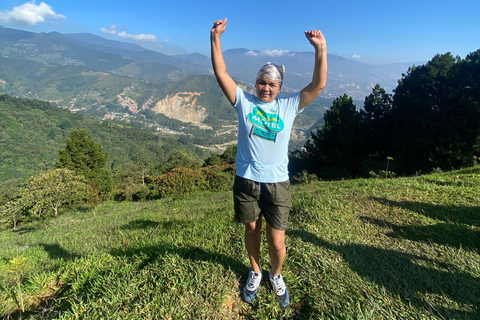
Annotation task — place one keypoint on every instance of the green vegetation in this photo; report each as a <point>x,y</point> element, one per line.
<point>86,157</point>
<point>403,248</point>
<point>46,196</point>
<point>432,121</point>
<point>32,133</point>
<point>176,181</point>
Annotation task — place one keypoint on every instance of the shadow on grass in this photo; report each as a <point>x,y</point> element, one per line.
<point>442,233</point>
<point>140,224</point>
<point>55,251</point>
<point>194,253</point>
<point>149,255</point>
<point>407,276</point>
<point>464,215</point>
<point>23,230</point>
<point>456,230</point>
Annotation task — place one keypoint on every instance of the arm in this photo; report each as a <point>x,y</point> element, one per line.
<point>319,79</point>
<point>229,87</point>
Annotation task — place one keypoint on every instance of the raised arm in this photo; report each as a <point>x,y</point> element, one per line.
<point>227,84</point>
<point>319,79</point>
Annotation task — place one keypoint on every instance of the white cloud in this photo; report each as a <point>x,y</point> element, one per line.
<point>252,53</point>
<point>138,37</point>
<point>29,14</point>
<point>270,53</point>
<point>135,37</point>
<point>356,57</point>
<point>111,30</point>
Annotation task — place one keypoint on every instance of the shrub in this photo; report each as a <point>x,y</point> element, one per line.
<point>182,181</point>
<point>179,181</point>
<point>304,177</point>
<point>47,195</point>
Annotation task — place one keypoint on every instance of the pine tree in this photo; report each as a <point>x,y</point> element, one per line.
<point>377,120</point>
<point>437,114</point>
<point>85,156</point>
<point>336,149</point>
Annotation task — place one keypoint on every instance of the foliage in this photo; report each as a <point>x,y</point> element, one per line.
<point>82,154</point>
<point>48,195</point>
<point>376,120</point>
<point>178,159</point>
<point>32,132</point>
<point>338,144</point>
<point>182,181</point>
<point>304,177</point>
<point>404,248</point>
<point>86,158</point>
<point>436,114</point>
<point>228,155</point>
<point>432,121</point>
<point>178,180</point>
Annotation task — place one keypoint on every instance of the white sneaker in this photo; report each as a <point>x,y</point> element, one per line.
<point>280,290</point>
<point>251,287</point>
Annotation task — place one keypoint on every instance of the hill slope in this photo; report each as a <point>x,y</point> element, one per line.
<point>403,248</point>
<point>32,132</point>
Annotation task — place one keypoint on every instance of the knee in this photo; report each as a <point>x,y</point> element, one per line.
<point>277,242</point>
<point>253,228</point>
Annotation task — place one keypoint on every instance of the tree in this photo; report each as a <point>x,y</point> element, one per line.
<point>85,157</point>
<point>335,150</point>
<point>436,114</point>
<point>178,159</point>
<point>230,154</point>
<point>47,194</point>
<point>376,117</point>
<point>377,122</point>
<point>214,159</point>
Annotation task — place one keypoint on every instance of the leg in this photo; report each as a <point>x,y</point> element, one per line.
<point>277,252</point>
<point>276,249</point>
<point>276,213</point>
<point>252,243</point>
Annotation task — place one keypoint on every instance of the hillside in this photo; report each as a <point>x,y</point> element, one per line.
<point>404,248</point>
<point>32,132</point>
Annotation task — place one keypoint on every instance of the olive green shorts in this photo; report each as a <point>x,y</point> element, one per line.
<point>253,199</point>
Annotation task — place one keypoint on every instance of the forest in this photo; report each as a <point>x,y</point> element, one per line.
<point>430,122</point>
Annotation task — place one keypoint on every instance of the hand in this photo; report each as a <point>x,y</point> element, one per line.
<point>316,38</point>
<point>219,27</point>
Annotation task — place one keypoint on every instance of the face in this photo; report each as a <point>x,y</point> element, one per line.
<point>267,90</point>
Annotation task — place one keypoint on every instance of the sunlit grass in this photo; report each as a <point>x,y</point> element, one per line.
<point>405,248</point>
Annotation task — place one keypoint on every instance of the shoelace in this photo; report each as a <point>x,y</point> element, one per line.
<point>252,283</point>
<point>279,285</point>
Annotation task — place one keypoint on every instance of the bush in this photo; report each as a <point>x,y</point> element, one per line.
<point>46,195</point>
<point>179,181</point>
<point>182,181</point>
<point>304,177</point>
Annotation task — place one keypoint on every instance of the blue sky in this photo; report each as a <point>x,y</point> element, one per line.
<point>369,31</point>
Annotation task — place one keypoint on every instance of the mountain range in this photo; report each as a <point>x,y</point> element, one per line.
<point>105,78</point>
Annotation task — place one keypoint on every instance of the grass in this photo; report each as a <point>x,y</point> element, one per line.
<point>404,248</point>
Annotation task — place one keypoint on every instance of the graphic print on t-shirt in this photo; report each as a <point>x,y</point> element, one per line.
<point>265,125</point>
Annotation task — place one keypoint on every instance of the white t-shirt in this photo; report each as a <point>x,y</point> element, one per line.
<point>263,136</point>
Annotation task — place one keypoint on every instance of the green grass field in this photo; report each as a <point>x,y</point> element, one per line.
<point>405,248</point>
